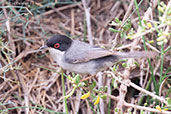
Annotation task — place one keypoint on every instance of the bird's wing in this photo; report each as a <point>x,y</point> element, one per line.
<point>85,53</point>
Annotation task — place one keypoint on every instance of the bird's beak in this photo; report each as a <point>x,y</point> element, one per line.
<point>43,47</point>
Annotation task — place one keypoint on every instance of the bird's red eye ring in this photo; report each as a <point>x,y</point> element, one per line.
<point>57,45</point>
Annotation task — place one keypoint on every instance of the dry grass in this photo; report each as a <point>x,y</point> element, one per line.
<point>30,82</point>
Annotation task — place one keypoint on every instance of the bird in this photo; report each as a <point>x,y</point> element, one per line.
<point>83,58</point>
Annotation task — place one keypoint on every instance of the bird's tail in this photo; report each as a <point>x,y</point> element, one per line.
<point>136,54</point>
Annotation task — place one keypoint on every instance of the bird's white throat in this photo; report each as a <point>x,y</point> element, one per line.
<point>56,55</point>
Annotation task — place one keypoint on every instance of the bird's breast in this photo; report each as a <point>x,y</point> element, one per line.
<point>81,68</point>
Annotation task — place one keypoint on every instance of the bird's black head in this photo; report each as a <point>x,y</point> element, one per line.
<point>59,42</point>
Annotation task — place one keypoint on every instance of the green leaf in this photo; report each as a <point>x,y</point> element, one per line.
<point>145,22</point>
<point>124,65</point>
<point>168,101</point>
<point>127,26</point>
<point>92,85</point>
<point>77,79</point>
<point>123,35</point>
<point>169,11</point>
<point>103,96</point>
<point>116,110</point>
<point>114,83</point>
<point>115,68</point>
<point>113,30</point>
<point>81,84</point>
<point>142,112</point>
<point>117,20</point>
<point>136,63</point>
<point>103,88</point>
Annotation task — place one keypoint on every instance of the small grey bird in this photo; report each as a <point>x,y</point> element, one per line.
<point>83,58</point>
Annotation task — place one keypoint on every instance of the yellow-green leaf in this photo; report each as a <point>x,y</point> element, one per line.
<point>149,25</point>
<point>158,108</point>
<point>85,96</point>
<point>97,100</point>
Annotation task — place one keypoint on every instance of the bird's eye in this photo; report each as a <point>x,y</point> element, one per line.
<point>57,45</point>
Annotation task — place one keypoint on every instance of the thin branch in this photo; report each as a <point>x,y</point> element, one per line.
<point>138,107</point>
<point>87,12</point>
<point>129,83</point>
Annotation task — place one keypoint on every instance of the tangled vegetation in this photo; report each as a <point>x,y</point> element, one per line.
<point>31,82</point>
